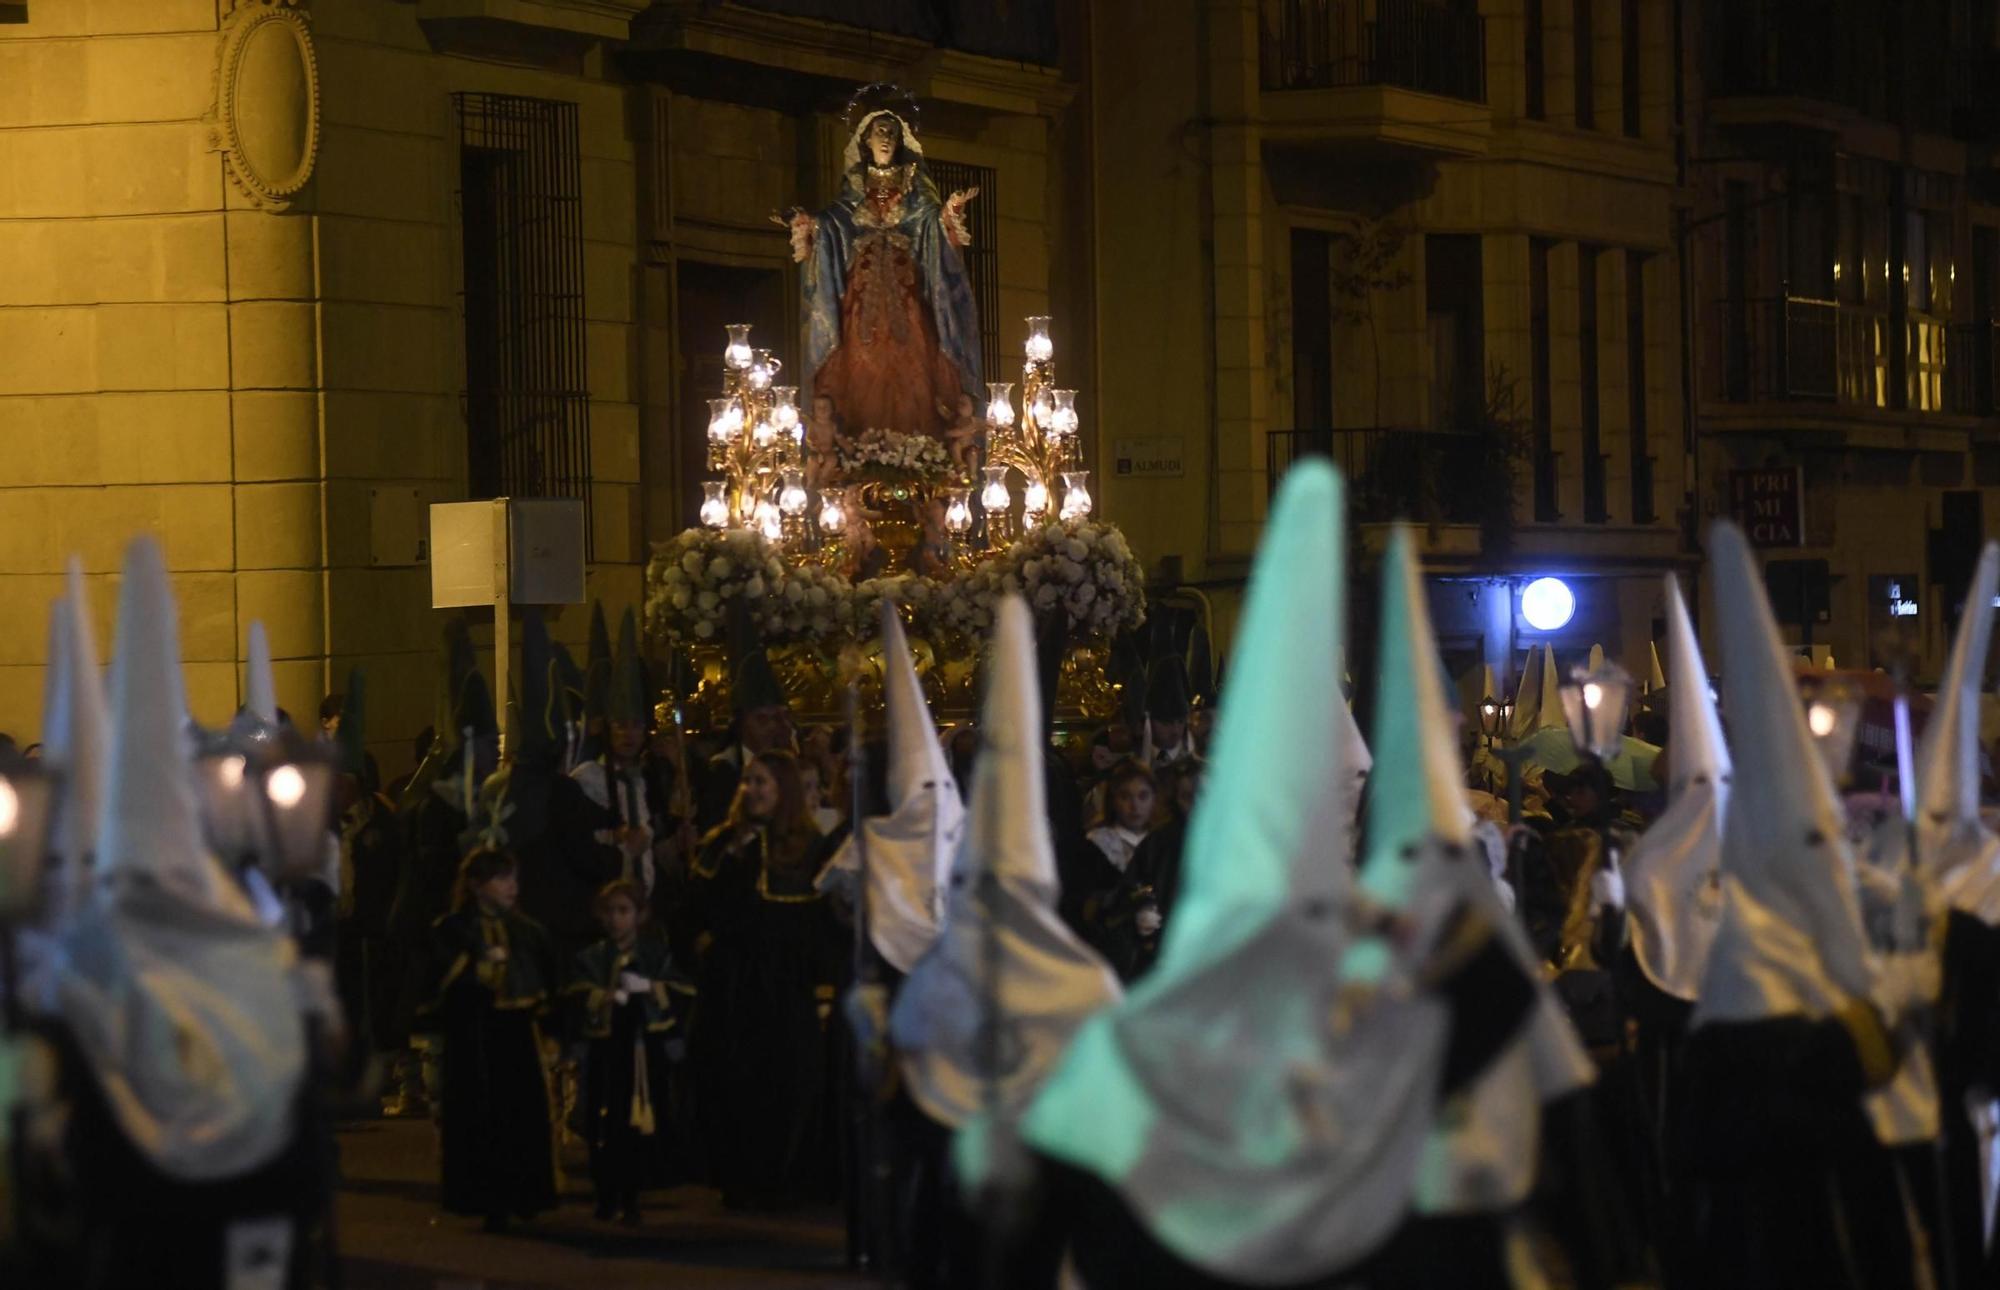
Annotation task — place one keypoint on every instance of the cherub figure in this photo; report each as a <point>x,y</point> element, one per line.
<point>823,443</point>
<point>934,552</point>
<point>965,435</point>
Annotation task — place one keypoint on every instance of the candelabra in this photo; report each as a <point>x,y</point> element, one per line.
<point>1040,443</point>
<point>755,435</point>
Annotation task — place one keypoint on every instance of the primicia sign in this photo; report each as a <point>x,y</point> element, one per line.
<point>1769,504</point>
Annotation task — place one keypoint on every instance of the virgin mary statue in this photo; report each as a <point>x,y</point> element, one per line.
<point>892,330</point>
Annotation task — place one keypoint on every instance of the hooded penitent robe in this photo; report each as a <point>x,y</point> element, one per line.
<point>1255,1111</point>
<point>1788,1033</point>
<point>177,1010</point>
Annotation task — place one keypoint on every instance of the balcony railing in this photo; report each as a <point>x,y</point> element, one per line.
<point>1428,45</point>
<point>1429,476</point>
<point>1798,349</point>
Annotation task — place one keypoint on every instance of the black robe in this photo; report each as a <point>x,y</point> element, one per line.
<point>431,855</point>
<point>1787,1186</point>
<point>1968,1039</point>
<point>1489,998</point>
<point>1153,878</point>
<point>770,955</point>
<point>562,864</point>
<point>368,963</point>
<point>137,1228</point>
<point>498,1141</point>
<point>627,1097</point>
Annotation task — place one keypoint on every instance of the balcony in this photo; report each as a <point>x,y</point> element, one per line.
<point>1826,366</point>
<point>1376,73</point>
<point>1796,349</point>
<point>1426,476</point>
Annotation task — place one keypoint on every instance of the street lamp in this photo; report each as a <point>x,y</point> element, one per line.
<point>267,806</point>
<point>1547,604</point>
<point>27,797</point>
<point>1594,707</point>
<point>1833,716</point>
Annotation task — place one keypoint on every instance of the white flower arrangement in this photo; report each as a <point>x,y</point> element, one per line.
<point>694,579</point>
<point>888,454</point>
<point>1084,566</point>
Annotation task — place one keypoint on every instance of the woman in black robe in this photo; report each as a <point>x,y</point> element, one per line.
<point>493,970</point>
<point>770,954</point>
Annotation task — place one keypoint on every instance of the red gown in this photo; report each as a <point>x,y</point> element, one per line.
<point>888,371</point>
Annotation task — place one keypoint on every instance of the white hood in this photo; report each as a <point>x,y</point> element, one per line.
<point>910,850</point>
<point>182,1002</point>
<point>1959,854</point>
<point>1481,1155</point>
<point>1673,876</point>
<point>1791,941</point>
<point>260,689</point>
<point>1002,940</point>
<point>1255,1132</point>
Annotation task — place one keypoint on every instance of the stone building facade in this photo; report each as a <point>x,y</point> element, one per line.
<point>236,238</point>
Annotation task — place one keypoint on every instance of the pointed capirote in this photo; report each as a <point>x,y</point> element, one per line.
<point>909,852</point>
<point>149,829</point>
<point>1351,772</point>
<point>1003,948</point>
<point>1549,712</point>
<point>1954,847</point>
<point>169,959</point>
<point>1248,1136</point>
<point>1791,940</point>
<point>260,690</point>
<point>1655,678</point>
<point>1417,788</point>
<point>76,738</point>
<point>1673,874</point>
<point>1596,657</point>
<point>1527,694</point>
<point>1483,1155</point>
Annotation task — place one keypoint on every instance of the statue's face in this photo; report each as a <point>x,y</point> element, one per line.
<point>883,136</point>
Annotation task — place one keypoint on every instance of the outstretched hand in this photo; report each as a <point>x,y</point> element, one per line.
<point>958,199</point>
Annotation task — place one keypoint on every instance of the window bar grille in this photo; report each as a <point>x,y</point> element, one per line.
<point>982,258</point>
<point>527,399</point>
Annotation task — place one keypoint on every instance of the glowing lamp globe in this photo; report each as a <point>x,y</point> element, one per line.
<point>999,404</point>
<point>714,505</point>
<point>737,352</point>
<point>1035,498</point>
<point>958,513</point>
<point>1039,348</point>
<point>994,495</point>
<point>1547,604</point>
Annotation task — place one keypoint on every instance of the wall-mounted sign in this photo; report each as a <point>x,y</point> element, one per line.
<point>1893,595</point>
<point>1769,505</point>
<point>1158,457</point>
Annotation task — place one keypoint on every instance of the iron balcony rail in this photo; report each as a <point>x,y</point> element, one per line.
<point>1434,46</point>
<point>1794,348</point>
<point>1429,476</point>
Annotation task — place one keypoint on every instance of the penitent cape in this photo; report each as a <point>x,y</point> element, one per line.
<point>1254,1135</point>
<point>909,851</point>
<point>1674,873</point>
<point>183,1003</point>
